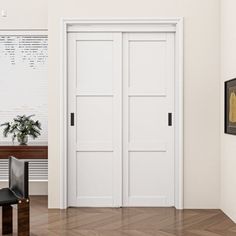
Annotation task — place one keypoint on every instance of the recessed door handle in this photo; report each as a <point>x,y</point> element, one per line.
<point>72,119</point>
<point>169,119</point>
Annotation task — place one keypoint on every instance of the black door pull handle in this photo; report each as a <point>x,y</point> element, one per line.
<point>169,119</point>
<point>72,119</point>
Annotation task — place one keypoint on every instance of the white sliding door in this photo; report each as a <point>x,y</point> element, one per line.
<point>94,74</point>
<point>148,104</point>
<point>120,108</point>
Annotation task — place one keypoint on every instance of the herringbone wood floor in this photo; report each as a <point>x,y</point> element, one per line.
<point>126,221</point>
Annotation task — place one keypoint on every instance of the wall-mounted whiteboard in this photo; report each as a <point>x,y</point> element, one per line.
<point>23,77</point>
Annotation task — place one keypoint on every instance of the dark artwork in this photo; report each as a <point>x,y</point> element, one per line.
<point>230,107</point>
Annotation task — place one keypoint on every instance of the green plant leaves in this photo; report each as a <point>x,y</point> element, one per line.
<point>22,126</point>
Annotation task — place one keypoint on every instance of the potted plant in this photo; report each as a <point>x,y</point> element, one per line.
<point>21,127</point>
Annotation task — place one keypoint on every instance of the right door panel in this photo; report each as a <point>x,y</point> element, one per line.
<point>148,136</point>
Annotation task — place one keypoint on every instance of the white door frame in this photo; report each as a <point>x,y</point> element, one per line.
<point>124,25</point>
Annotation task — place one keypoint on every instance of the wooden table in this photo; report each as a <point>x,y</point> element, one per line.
<point>30,151</point>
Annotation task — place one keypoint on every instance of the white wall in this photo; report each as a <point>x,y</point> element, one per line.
<point>28,15</point>
<point>201,86</point>
<point>228,142</point>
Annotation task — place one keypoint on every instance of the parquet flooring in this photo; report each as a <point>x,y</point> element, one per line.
<point>126,221</point>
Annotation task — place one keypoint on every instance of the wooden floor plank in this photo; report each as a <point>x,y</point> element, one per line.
<point>126,221</point>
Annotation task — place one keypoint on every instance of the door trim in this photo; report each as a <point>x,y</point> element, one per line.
<point>150,25</point>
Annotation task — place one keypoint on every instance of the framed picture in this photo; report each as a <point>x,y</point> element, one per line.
<point>230,106</point>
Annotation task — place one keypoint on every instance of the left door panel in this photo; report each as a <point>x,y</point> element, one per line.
<point>94,97</point>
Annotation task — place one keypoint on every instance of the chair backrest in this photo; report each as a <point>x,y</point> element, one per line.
<point>19,177</point>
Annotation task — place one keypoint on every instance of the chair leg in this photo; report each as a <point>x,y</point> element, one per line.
<point>23,218</point>
<point>7,219</point>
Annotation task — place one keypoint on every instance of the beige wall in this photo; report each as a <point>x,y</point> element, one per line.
<point>228,142</point>
<point>24,14</point>
<point>35,188</point>
<point>201,86</point>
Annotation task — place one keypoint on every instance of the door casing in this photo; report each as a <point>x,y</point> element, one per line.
<point>124,25</point>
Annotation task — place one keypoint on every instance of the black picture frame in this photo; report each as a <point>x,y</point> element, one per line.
<point>230,107</point>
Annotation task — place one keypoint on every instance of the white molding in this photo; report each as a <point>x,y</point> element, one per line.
<point>121,28</point>
<point>63,117</point>
<point>178,23</point>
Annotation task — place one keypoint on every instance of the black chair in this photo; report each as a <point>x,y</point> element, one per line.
<point>17,193</point>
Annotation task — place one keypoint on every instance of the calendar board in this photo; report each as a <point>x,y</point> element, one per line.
<point>23,78</point>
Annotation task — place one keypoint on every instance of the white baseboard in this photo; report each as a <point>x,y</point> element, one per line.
<point>35,188</point>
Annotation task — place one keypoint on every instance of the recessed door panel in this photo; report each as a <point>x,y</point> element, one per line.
<point>94,176</point>
<point>147,119</point>
<point>147,75</point>
<point>94,66</point>
<point>152,163</point>
<point>92,111</point>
